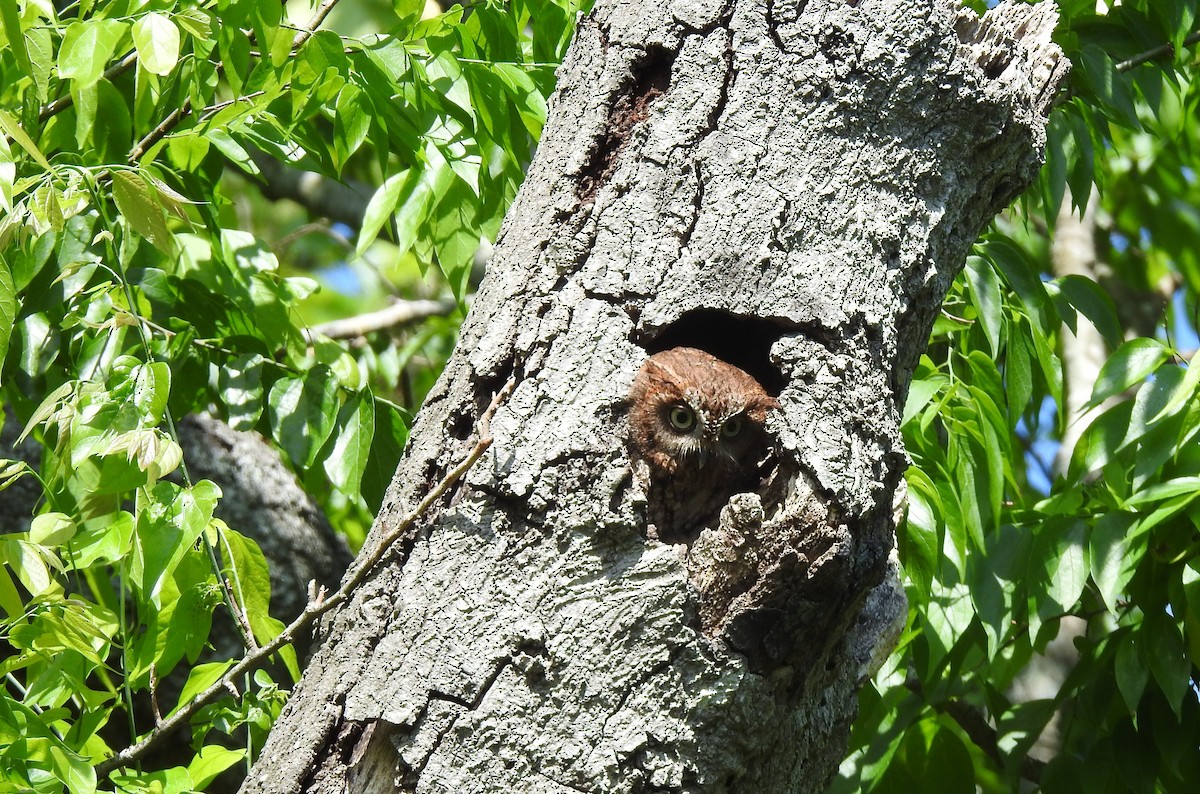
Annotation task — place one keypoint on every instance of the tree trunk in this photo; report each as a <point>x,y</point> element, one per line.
<point>790,186</point>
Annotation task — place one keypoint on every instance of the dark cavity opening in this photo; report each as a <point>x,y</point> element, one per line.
<point>744,342</point>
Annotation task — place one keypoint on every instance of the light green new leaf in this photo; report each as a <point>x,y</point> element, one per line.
<point>211,761</point>
<point>141,205</point>
<point>157,41</point>
<point>86,49</point>
<point>8,307</point>
<point>1130,364</point>
<point>166,530</point>
<point>16,36</point>
<point>152,388</point>
<point>10,127</point>
<point>31,564</point>
<point>920,392</point>
<point>201,678</point>
<point>51,529</point>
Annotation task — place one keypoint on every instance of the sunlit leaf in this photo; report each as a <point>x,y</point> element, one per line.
<point>157,41</point>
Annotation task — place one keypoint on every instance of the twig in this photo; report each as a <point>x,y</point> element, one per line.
<point>65,101</point>
<point>979,731</point>
<point>239,614</point>
<point>316,607</point>
<point>1157,52</point>
<point>314,23</point>
<point>397,314</point>
<point>155,135</point>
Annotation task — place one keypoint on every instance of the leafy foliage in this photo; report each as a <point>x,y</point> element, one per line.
<point>1004,547</point>
<point>147,270</point>
<point>135,289</point>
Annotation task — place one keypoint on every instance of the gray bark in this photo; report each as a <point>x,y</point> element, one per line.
<point>790,186</point>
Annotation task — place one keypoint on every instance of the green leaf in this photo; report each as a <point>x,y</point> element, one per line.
<point>919,539</point>
<point>51,529</point>
<point>387,445</point>
<point>419,197</point>
<point>8,308</point>
<point>1115,556</point>
<point>86,49</point>
<point>302,412</point>
<point>1018,374</point>
<point>157,41</point>
<point>201,678</point>
<point>1131,673</point>
<point>241,387</point>
<point>1111,87</point>
<point>351,124</point>
<point>1164,652</point>
<point>456,236</point>
<point>985,289</point>
<point>1023,276</point>
<point>211,761</point>
<point>1130,364</point>
<point>351,450</point>
<point>1068,566</point>
<point>381,206</point>
<point>531,105</point>
<point>166,529</point>
<point>16,36</point>
<point>141,205</point>
<point>10,127</point>
<point>246,569</point>
<point>1087,297</point>
<point>1180,486</point>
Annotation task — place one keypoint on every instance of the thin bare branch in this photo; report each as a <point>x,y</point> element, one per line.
<point>1160,51</point>
<point>395,315</point>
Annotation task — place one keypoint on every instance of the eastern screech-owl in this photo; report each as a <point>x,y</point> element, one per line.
<point>696,427</point>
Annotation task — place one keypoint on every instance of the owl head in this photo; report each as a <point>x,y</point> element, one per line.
<point>691,410</point>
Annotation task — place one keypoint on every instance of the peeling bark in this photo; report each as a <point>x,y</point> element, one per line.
<point>791,187</point>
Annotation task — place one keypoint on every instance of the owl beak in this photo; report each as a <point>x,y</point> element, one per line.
<point>703,456</point>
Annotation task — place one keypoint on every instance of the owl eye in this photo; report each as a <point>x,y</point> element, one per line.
<point>732,426</point>
<point>682,417</point>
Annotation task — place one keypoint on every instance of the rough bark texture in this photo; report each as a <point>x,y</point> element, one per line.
<point>790,186</point>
